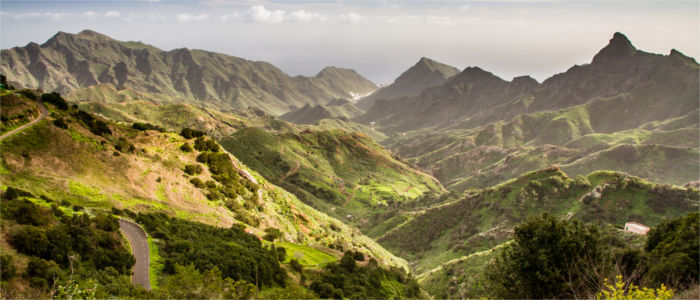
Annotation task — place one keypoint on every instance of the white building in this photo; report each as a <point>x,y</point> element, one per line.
<point>636,228</point>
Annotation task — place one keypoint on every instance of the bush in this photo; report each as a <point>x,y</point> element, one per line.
<point>197,183</point>
<point>202,144</point>
<point>29,94</point>
<point>549,258</point>
<point>272,234</point>
<point>618,291</point>
<point>47,272</point>
<point>60,123</point>
<point>186,147</point>
<point>189,133</point>
<point>296,266</point>
<point>7,267</point>
<point>193,169</point>
<point>55,99</point>
<point>123,145</point>
<point>673,252</point>
<point>146,126</point>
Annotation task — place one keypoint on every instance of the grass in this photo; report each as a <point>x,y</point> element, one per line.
<point>155,266</point>
<point>307,256</point>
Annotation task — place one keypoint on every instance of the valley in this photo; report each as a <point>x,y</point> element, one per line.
<point>251,183</point>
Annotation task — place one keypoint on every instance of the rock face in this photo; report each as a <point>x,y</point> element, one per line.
<point>424,74</point>
<point>92,65</point>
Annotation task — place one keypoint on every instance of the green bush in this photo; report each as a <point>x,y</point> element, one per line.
<point>197,183</point>
<point>8,270</point>
<point>202,144</point>
<point>193,169</point>
<point>239,255</point>
<point>673,253</point>
<point>186,147</point>
<point>272,234</point>
<point>55,99</point>
<point>189,133</point>
<point>146,126</point>
<point>60,123</point>
<point>549,258</point>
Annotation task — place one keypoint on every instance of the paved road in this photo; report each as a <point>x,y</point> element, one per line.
<point>139,247</point>
<point>44,114</point>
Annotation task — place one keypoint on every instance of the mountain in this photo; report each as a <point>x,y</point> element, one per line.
<point>336,109</point>
<point>476,130</point>
<point>482,219</point>
<point>345,175</point>
<point>91,66</point>
<point>476,97</point>
<point>424,74</point>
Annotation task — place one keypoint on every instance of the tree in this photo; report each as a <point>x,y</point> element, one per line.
<point>673,254</point>
<point>55,99</point>
<point>272,234</point>
<point>189,133</point>
<point>548,258</point>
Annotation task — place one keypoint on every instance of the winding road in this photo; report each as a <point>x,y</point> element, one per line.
<point>44,113</point>
<point>139,247</point>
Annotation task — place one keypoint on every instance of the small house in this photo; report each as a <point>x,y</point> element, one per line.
<point>636,228</point>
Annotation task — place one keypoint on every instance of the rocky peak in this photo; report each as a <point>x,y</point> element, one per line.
<point>619,47</point>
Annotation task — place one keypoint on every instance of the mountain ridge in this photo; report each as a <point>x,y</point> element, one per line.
<point>424,74</point>
<point>68,63</point>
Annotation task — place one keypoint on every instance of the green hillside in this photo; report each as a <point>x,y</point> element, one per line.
<point>345,175</point>
<point>484,218</point>
<point>98,165</point>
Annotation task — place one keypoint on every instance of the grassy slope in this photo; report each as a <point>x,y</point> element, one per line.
<point>78,165</point>
<point>487,155</point>
<point>482,219</point>
<point>16,110</point>
<point>336,172</point>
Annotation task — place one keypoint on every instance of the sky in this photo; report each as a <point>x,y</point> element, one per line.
<point>378,39</point>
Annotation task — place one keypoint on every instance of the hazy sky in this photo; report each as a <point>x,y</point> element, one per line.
<point>379,39</point>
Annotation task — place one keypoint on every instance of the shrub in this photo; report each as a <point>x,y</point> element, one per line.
<point>272,234</point>
<point>197,183</point>
<point>146,126</point>
<point>55,99</point>
<point>29,94</point>
<point>186,147</point>
<point>60,123</point>
<point>202,144</point>
<point>549,258</point>
<point>123,145</point>
<point>617,291</point>
<point>189,133</point>
<point>193,169</point>
<point>7,267</point>
<point>296,266</point>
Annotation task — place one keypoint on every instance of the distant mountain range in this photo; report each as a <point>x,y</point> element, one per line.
<point>627,110</point>
<point>424,74</point>
<point>92,66</point>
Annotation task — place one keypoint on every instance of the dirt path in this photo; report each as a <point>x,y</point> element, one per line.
<point>291,172</point>
<point>44,113</point>
<point>139,247</point>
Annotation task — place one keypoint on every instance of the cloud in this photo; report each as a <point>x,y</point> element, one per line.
<point>352,17</point>
<point>416,19</point>
<point>304,16</point>
<point>260,14</point>
<point>52,16</point>
<point>112,14</point>
<point>191,18</point>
